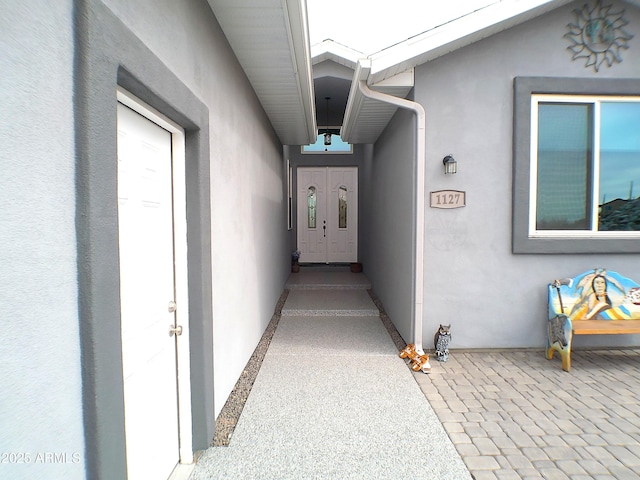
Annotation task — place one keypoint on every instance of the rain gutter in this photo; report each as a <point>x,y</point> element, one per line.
<point>362,72</point>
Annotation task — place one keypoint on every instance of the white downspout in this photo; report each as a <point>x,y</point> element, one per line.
<point>418,233</point>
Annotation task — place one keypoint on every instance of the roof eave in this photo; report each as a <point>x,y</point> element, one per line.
<point>456,34</point>
<point>301,51</point>
<point>290,110</point>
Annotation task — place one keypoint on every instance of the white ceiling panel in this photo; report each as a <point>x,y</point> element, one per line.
<point>271,41</point>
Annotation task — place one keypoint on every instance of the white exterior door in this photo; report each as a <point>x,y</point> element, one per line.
<point>148,296</point>
<point>328,214</point>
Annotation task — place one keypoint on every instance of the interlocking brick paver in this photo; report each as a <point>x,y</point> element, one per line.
<point>467,449</point>
<point>452,427</point>
<point>519,461</point>
<point>625,473</point>
<point>561,453</point>
<point>486,446</point>
<point>534,453</point>
<point>620,440</point>
<point>554,440</point>
<point>597,453</point>
<point>457,438</point>
<point>493,428</point>
<point>507,475</point>
<point>593,467</point>
<point>521,439</point>
<point>533,430</point>
<point>529,474</point>
<point>571,467</point>
<point>526,418</point>
<point>476,432</point>
<point>474,417</point>
<point>503,443</point>
<point>624,455</point>
<point>484,475</point>
<point>575,440</point>
<point>554,474</point>
<point>481,462</point>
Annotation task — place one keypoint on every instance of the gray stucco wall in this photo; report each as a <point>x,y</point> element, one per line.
<point>492,297</point>
<point>40,401</point>
<point>61,64</point>
<point>249,251</point>
<point>387,255</point>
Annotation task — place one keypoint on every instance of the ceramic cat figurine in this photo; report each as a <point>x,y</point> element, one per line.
<point>441,341</point>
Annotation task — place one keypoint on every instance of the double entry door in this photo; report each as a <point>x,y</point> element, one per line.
<point>327,214</point>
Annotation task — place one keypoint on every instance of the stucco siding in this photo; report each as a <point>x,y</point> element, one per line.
<point>249,249</point>
<point>41,433</point>
<point>388,258</point>
<point>492,297</point>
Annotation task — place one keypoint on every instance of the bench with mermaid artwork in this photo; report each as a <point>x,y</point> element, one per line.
<point>597,302</point>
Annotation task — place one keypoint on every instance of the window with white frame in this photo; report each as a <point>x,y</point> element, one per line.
<point>585,165</point>
<point>576,165</point>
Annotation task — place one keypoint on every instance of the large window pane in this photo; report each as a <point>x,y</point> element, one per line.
<point>564,157</point>
<point>619,166</point>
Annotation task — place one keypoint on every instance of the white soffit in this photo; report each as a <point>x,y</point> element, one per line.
<point>270,38</point>
<point>365,118</point>
<point>456,34</point>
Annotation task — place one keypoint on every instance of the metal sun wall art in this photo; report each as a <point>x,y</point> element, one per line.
<point>598,35</point>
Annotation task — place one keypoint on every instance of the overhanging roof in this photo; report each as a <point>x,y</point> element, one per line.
<point>270,38</point>
<point>458,33</point>
<point>365,118</point>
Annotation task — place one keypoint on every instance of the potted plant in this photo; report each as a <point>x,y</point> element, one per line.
<point>295,256</point>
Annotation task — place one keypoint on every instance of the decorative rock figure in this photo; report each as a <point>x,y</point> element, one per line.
<point>441,342</point>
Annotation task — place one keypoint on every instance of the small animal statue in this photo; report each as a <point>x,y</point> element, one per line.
<point>441,341</point>
<point>418,362</point>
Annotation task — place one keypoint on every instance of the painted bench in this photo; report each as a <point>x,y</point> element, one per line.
<point>597,302</point>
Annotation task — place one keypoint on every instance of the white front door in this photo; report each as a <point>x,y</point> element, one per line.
<point>328,214</point>
<point>148,296</point>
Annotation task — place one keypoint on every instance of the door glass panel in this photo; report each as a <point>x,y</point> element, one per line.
<point>564,155</point>
<point>342,207</point>
<point>311,207</point>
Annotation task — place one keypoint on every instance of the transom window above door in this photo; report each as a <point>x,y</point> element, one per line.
<point>336,145</point>
<point>585,166</point>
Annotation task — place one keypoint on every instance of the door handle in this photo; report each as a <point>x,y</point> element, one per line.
<point>324,228</point>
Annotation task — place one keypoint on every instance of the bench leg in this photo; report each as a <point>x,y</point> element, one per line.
<point>550,352</point>
<point>566,359</point>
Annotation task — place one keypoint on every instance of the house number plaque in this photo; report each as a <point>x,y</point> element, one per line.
<point>448,199</point>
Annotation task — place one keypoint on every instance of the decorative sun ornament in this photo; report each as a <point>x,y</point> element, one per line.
<point>598,35</point>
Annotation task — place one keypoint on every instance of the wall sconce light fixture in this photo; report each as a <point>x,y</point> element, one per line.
<point>450,164</point>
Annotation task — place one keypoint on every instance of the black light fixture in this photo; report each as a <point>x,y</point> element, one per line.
<point>327,134</point>
<point>450,164</point>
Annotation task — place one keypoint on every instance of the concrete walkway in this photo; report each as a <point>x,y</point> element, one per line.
<point>332,399</point>
<point>506,414</point>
